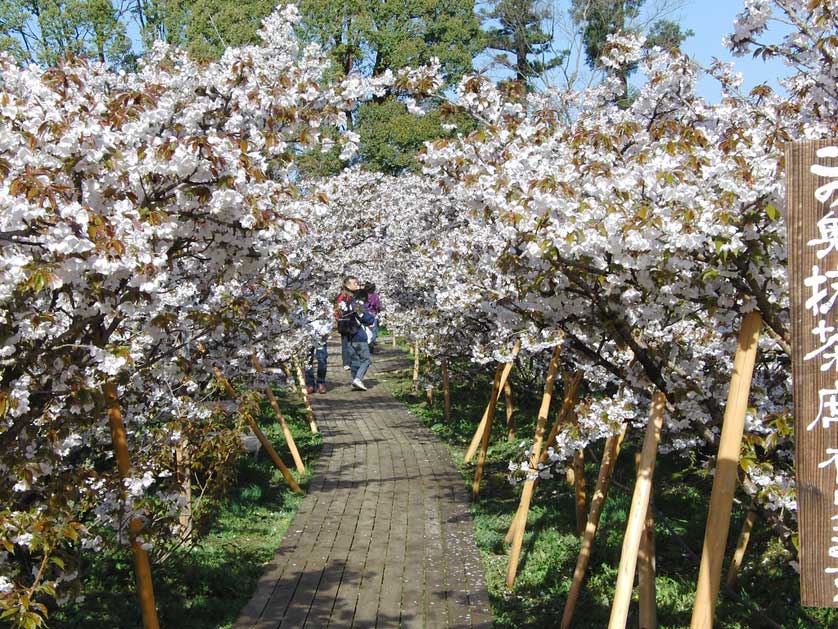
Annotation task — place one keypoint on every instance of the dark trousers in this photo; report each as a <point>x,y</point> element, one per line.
<point>317,360</point>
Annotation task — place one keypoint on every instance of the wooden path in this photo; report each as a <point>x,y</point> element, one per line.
<point>384,537</point>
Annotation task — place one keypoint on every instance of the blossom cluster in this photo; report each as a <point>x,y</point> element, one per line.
<point>152,230</point>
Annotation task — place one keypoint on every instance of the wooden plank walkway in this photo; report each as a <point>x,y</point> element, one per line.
<point>384,537</point>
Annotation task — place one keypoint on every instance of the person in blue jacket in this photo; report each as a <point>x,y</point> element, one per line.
<point>353,317</point>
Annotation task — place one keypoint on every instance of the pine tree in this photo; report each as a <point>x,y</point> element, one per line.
<point>525,47</point>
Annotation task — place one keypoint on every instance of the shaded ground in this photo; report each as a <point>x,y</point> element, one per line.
<point>384,536</point>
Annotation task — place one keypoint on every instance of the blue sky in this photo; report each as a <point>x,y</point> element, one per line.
<point>712,20</point>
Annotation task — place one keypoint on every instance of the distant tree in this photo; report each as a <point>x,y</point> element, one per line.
<point>391,136</point>
<point>213,25</point>
<point>41,31</point>
<point>161,19</point>
<point>599,19</point>
<point>342,28</point>
<point>519,36</point>
<point>372,36</point>
<point>667,34</point>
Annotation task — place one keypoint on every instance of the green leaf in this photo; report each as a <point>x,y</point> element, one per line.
<point>9,613</point>
<point>772,211</point>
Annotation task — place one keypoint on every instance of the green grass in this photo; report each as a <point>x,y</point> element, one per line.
<point>208,585</point>
<point>767,584</point>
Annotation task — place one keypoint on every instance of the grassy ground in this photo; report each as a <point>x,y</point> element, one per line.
<point>768,587</point>
<point>208,585</point>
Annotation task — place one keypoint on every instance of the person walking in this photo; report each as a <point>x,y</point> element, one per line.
<point>321,325</point>
<point>342,307</point>
<point>373,303</point>
<point>353,317</point>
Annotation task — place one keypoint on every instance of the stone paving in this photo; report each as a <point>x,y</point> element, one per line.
<point>384,537</point>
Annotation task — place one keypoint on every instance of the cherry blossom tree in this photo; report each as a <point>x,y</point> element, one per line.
<point>637,237</point>
<point>151,230</point>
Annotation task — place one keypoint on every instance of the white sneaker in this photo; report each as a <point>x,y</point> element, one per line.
<point>346,367</point>
<point>357,384</point>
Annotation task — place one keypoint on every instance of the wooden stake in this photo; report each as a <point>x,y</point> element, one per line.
<point>446,389</point>
<point>741,546</point>
<point>564,414</point>
<point>286,431</point>
<point>260,435</point>
<point>416,366</point>
<point>727,466</point>
<point>478,434</point>
<point>637,515</point>
<point>183,464</point>
<point>648,616</point>
<point>142,568</point>
<point>289,377</point>
<point>484,441</point>
<point>395,342</point>
<point>507,396</point>
<point>580,491</point>
<point>274,456</point>
<point>505,369</point>
<point>306,398</point>
<point>609,458</point>
<point>529,485</point>
<point>429,393</point>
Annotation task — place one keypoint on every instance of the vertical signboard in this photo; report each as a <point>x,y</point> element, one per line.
<point>812,220</point>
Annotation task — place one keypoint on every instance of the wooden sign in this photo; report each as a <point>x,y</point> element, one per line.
<point>812,221</point>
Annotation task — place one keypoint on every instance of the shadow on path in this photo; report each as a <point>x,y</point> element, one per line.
<point>384,537</point>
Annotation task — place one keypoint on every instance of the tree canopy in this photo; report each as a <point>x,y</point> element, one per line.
<point>524,46</point>
<point>42,31</point>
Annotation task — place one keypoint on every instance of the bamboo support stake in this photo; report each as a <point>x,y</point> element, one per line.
<point>274,456</point>
<point>306,397</point>
<point>142,568</point>
<point>529,485</point>
<point>562,417</point>
<point>566,412</point>
<point>478,433</point>
<point>260,436</point>
<point>510,409</point>
<point>580,491</point>
<point>637,515</point>
<point>505,369</point>
<point>416,366</point>
<point>609,458</point>
<point>727,467</point>
<point>183,464</point>
<point>484,440</point>
<point>446,389</point>
<point>286,431</point>
<point>741,546</point>
<point>648,615</point>
<point>289,376</point>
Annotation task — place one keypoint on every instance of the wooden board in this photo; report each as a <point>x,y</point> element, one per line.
<point>813,284</point>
